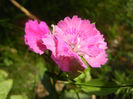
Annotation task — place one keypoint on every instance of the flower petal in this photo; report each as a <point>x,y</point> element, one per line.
<point>97,61</point>
<point>34,33</point>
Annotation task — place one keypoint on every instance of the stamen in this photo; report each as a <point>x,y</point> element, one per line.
<point>53,28</point>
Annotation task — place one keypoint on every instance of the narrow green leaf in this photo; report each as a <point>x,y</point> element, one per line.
<point>85,62</point>
<point>98,87</point>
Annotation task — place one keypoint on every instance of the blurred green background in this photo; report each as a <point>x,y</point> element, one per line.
<point>20,68</point>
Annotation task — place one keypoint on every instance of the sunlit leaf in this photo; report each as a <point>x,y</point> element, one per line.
<point>84,76</point>
<point>5,87</point>
<point>3,75</point>
<point>18,97</point>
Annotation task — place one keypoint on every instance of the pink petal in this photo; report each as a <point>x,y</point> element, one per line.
<point>97,61</point>
<point>66,59</point>
<point>34,33</point>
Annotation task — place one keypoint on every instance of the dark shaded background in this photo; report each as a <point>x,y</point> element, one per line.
<point>114,18</point>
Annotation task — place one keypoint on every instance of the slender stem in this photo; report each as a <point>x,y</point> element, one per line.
<point>24,10</point>
<point>77,93</point>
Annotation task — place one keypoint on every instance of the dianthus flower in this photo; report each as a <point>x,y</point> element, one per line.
<point>70,39</point>
<point>81,38</point>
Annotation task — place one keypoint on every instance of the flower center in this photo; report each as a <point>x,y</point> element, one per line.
<point>75,45</point>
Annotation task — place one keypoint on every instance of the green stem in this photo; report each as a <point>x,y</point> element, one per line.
<point>77,93</point>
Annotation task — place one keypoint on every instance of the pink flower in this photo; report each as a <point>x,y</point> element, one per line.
<point>77,37</point>
<point>71,39</point>
<point>34,33</point>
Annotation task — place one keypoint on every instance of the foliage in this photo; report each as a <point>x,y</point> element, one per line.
<point>5,84</point>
